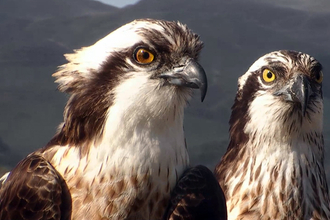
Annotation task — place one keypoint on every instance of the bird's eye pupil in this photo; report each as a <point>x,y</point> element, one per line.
<point>269,74</point>
<point>145,55</point>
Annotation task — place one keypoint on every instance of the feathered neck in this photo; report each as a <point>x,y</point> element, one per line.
<point>135,104</point>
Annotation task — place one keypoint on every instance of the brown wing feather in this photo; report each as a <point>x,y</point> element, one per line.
<point>196,196</point>
<point>35,190</point>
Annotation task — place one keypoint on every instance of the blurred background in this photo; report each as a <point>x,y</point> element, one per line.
<point>34,35</point>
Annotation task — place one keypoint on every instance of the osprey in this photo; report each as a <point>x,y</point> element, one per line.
<point>121,148</point>
<point>273,167</point>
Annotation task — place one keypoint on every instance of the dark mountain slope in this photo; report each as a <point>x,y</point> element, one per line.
<point>33,40</point>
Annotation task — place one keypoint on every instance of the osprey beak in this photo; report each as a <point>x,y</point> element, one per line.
<point>190,75</point>
<point>298,91</point>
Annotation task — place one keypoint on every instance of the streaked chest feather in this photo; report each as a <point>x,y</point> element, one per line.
<point>284,180</point>
<point>128,172</point>
<point>280,173</point>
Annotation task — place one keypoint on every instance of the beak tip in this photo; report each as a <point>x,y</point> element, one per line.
<point>198,77</point>
<point>203,90</point>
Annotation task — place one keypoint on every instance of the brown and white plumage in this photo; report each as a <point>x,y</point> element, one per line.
<point>274,164</point>
<point>36,191</point>
<point>121,147</point>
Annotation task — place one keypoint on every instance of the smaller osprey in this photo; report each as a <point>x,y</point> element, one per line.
<point>121,148</point>
<point>273,167</point>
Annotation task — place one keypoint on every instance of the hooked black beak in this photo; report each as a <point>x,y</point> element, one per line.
<point>298,90</point>
<point>190,75</point>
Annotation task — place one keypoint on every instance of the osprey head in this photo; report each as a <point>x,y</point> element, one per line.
<point>163,50</point>
<point>283,84</point>
<point>146,68</point>
<point>300,80</point>
<point>293,77</point>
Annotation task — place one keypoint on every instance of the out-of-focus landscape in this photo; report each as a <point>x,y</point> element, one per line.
<point>34,35</point>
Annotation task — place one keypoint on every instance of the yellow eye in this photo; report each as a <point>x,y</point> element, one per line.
<point>319,77</point>
<point>268,75</point>
<point>143,56</point>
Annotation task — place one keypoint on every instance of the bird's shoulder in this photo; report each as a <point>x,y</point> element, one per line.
<point>34,190</point>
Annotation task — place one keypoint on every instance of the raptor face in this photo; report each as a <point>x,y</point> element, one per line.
<point>296,78</point>
<point>280,93</point>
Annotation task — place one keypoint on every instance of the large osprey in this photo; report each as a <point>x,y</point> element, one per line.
<point>273,167</point>
<point>121,148</point>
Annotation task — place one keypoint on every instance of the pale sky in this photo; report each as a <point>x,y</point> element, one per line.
<point>119,3</point>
